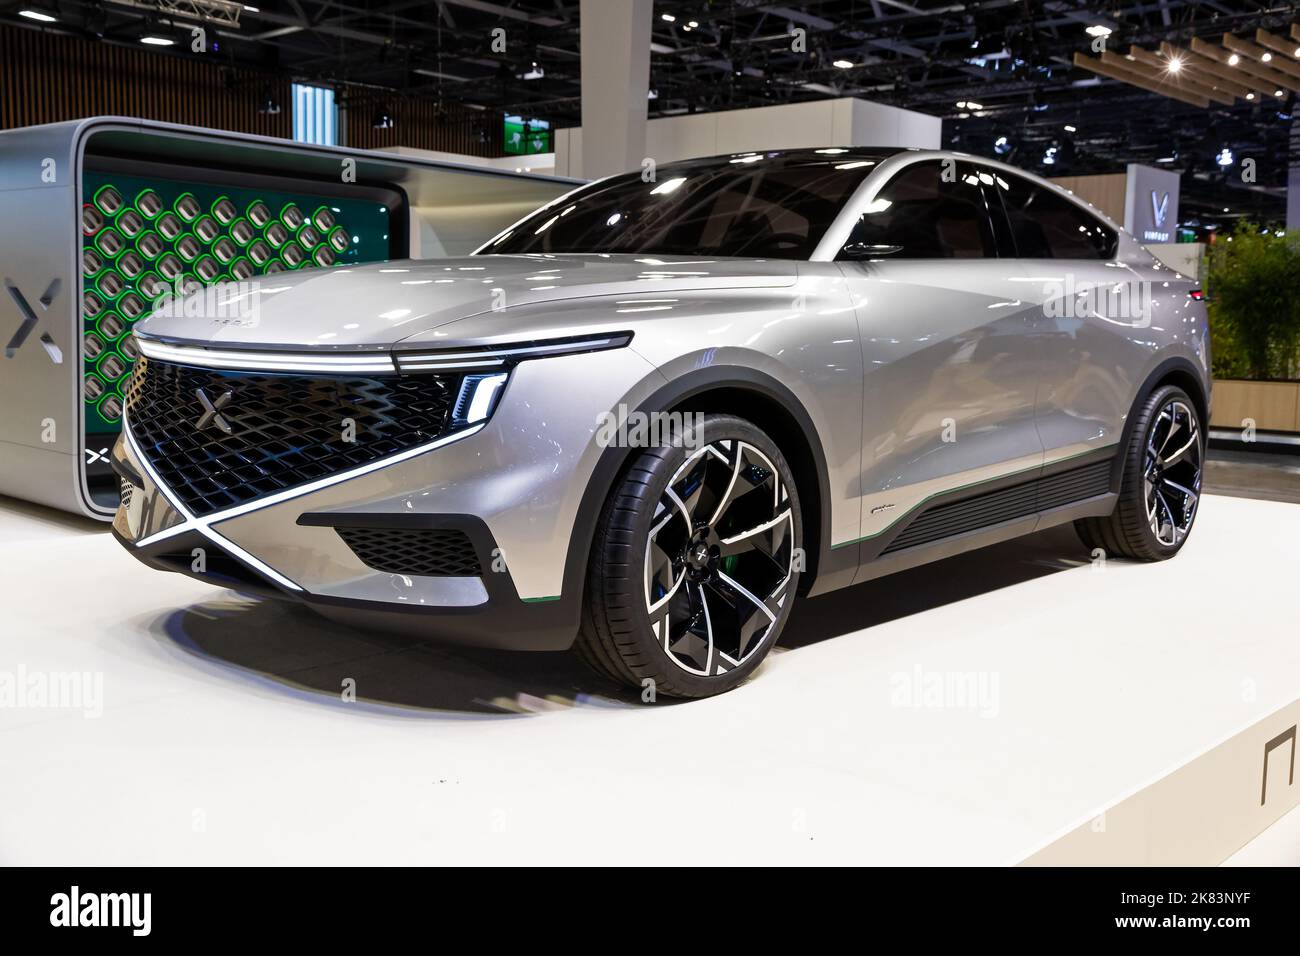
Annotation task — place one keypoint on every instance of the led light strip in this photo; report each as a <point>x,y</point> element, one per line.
<point>234,360</point>
<point>203,525</point>
<point>264,361</point>
<point>495,358</point>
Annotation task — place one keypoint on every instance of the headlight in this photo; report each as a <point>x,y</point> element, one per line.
<point>478,397</point>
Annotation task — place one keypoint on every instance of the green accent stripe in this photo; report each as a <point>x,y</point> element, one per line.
<point>973,484</point>
<point>541,600</point>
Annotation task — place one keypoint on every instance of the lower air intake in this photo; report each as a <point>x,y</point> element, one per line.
<point>415,551</point>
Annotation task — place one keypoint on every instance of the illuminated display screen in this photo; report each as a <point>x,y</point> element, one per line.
<point>144,238</point>
<point>523,136</point>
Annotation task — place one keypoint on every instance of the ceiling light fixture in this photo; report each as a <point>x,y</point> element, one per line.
<point>1266,57</point>
<point>153,40</point>
<point>1234,60</point>
<point>668,18</point>
<point>843,64</point>
<point>1174,65</point>
<point>1099,30</point>
<point>40,16</point>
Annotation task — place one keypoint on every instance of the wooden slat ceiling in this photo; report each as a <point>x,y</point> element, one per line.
<point>1205,73</point>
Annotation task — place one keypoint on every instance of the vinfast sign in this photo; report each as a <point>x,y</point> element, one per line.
<point>1151,204</point>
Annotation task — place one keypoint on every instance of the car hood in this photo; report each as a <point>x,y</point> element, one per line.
<point>372,307</point>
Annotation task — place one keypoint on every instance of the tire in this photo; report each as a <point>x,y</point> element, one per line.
<point>1158,497</point>
<point>695,613</point>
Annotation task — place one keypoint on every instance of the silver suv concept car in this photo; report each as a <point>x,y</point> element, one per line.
<point>645,418</point>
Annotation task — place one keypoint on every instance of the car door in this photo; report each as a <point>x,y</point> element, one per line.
<point>949,372</point>
<point>1091,308</point>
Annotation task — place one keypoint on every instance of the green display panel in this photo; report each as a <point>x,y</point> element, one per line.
<point>143,236</point>
<point>524,136</point>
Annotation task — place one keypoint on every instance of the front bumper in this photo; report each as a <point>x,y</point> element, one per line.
<point>515,487</point>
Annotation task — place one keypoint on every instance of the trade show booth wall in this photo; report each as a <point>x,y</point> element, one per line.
<point>105,216</point>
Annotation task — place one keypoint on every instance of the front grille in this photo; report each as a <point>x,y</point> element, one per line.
<point>283,430</point>
<point>419,551</point>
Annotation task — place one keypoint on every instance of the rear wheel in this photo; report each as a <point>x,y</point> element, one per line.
<point>694,566</point>
<point>1162,482</point>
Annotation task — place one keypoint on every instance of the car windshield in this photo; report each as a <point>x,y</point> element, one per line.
<point>774,206</point>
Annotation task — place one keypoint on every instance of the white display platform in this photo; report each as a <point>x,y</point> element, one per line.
<point>223,738</point>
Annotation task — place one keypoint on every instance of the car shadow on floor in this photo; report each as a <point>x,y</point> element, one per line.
<point>288,649</point>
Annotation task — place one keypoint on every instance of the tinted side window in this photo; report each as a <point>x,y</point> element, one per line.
<point>923,214</point>
<point>1048,226</point>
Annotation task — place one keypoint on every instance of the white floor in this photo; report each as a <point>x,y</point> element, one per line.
<point>223,738</point>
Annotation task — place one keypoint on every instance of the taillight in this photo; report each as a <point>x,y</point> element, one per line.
<point>1197,294</point>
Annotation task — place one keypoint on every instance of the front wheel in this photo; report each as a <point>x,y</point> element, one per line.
<point>695,563</point>
<point>1162,482</point>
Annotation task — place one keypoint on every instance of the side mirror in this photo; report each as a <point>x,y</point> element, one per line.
<point>862,250</point>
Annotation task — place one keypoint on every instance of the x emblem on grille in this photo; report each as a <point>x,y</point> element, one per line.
<point>212,410</point>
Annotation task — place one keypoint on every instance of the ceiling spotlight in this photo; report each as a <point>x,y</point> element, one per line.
<point>961,104</point>
<point>1001,146</point>
<point>534,72</point>
<point>1297,52</point>
<point>1266,57</point>
<point>652,94</point>
<point>1071,129</point>
<point>971,104</point>
<point>843,64</point>
<point>1224,158</point>
<point>1278,93</point>
<point>1234,60</point>
<point>1049,157</point>
<point>383,119</point>
<point>155,40</point>
<point>668,18</point>
<point>38,14</point>
<point>693,24</point>
<point>1250,96</point>
<point>1174,65</point>
<point>1099,30</point>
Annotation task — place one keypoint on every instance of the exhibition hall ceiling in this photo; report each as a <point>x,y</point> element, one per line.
<point>1002,73</point>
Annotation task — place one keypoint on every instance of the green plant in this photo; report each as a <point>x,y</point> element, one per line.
<point>1254,304</point>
